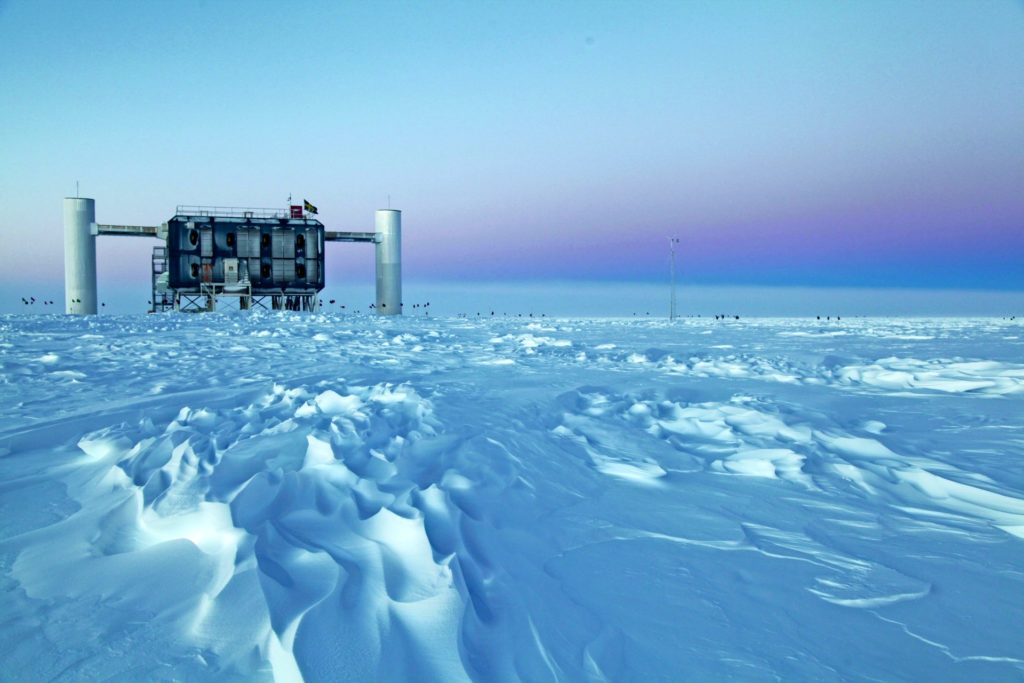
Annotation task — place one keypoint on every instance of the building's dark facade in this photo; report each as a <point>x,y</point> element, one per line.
<point>275,255</point>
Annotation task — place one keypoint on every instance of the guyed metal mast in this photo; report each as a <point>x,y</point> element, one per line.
<point>672,242</point>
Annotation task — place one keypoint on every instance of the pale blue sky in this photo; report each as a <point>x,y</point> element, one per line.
<point>787,143</point>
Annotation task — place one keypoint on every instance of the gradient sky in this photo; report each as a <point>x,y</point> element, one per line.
<point>787,143</point>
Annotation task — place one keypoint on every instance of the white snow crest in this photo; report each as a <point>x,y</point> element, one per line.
<point>311,504</point>
<point>950,376</point>
<point>510,500</point>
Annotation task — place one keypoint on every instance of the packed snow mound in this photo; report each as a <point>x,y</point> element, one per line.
<point>948,376</point>
<point>293,516</point>
<point>305,497</point>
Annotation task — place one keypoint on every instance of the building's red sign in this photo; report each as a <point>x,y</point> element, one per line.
<point>296,211</point>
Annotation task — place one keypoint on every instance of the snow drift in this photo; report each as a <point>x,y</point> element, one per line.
<point>286,497</point>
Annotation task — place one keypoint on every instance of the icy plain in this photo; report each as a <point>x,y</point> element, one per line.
<point>290,496</point>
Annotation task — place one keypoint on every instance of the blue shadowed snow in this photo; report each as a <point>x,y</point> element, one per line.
<point>285,496</point>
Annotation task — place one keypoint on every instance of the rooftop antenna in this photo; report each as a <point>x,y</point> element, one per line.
<point>672,242</point>
<point>76,189</point>
<point>389,202</point>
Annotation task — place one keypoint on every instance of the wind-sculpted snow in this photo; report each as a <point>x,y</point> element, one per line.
<point>944,375</point>
<point>287,496</point>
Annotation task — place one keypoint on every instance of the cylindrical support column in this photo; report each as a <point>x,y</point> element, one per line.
<point>388,226</point>
<point>79,256</point>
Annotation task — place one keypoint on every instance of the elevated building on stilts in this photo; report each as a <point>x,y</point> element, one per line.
<point>265,258</point>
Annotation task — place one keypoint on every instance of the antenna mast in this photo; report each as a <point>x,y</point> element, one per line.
<point>672,242</point>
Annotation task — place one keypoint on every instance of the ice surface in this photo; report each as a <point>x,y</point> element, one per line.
<point>289,496</point>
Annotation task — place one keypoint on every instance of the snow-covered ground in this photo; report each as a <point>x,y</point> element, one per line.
<point>278,496</point>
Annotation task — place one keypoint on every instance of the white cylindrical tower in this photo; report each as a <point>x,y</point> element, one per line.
<point>79,256</point>
<point>388,226</point>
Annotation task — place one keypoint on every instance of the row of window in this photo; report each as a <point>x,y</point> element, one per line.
<point>300,239</point>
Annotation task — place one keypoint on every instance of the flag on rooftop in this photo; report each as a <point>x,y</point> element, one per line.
<point>309,207</point>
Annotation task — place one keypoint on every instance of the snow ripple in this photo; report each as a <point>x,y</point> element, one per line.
<point>502,500</point>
